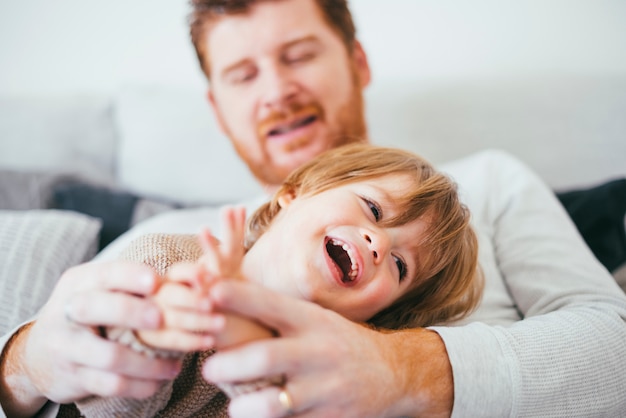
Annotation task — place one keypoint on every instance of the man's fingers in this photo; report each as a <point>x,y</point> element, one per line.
<point>104,383</point>
<point>279,312</point>
<point>119,276</point>
<point>92,352</point>
<point>298,399</point>
<point>269,357</point>
<point>109,294</point>
<point>264,403</point>
<point>62,344</point>
<point>100,308</point>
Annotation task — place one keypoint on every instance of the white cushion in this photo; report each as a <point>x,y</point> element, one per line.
<point>171,147</point>
<point>36,247</point>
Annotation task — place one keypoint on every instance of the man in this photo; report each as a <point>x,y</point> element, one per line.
<point>286,79</point>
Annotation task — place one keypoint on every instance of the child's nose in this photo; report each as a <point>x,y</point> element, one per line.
<point>377,243</point>
<point>369,241</point>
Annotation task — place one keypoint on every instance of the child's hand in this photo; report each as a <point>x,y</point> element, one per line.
<point>190,324</point>
<point>223,259</point>
<point>188,320</point>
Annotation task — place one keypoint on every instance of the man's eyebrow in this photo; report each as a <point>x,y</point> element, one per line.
<point>304,40</point>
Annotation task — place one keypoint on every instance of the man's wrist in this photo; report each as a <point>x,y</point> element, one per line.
<point>423,373</point>
<point>18,396</point>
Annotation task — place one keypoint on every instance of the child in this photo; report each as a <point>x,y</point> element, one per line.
<point>375,234</point>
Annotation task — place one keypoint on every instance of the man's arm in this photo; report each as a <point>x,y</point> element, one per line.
<point>334,367</point>
<point>18,396</point>
<point>65,359</point>
<point>562,358</point>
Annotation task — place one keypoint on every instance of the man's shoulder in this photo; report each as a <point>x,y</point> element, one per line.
<point>488,168</point>
<point>481,162</point>
<point>487,175</point>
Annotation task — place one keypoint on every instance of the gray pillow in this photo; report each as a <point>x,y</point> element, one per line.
<point>26,190</point>
<point>35,248</point>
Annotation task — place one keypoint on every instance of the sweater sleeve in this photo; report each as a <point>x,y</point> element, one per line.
<point>566,356</point>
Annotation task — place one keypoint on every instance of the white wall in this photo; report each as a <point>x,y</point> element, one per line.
<point>484,38</point>
<point>81,45</point>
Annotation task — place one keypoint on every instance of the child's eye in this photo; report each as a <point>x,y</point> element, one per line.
<point>402,268</point>
<point>376,210</point>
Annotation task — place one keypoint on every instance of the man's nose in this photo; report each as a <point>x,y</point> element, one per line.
<point>378,243</point>
<point>278,87</point>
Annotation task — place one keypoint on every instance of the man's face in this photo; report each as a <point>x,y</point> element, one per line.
<point>284,86</point>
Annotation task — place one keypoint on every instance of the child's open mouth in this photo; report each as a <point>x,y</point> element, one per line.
<point>343,258</point>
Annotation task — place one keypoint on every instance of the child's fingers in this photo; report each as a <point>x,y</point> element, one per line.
<point>224,258</point>
<point>238,330</point>
<point>173,295</point>
<point>176,340</point>
<point>196,323</point>
<point>234,222</point>
<point>187,273</point>
<point>208,241</point>
<point>211,259</point>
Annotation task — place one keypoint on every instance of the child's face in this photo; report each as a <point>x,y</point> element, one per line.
<point>329,248</point>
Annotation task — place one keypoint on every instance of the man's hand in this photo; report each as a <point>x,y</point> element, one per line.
<point>61,357</point>
<point>333,367</point>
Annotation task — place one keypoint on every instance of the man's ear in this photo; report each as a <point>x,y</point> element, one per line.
<point>216,112</point>
<point>285,197</point>
<point>361,64</point>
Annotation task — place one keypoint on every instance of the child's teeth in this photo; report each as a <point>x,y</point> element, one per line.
<point>354,270</point>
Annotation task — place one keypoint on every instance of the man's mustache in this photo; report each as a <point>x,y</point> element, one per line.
<point>289,114</point>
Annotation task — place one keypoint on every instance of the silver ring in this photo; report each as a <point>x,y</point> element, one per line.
<point>285,401</point>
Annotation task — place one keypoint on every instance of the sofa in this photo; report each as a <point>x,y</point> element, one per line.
<point>78,170</point>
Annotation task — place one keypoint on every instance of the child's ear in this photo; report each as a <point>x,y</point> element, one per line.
<point>286,197</point>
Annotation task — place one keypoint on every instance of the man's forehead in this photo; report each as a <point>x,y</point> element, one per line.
<point>268,26</point>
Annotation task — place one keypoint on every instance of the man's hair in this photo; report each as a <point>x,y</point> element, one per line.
<point>449,282</point>
<point>205,12</point>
